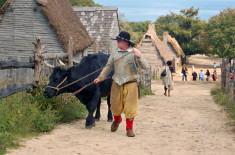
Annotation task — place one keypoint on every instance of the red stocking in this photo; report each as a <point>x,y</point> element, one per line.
<point>117,118</point>
<point>129,123</point>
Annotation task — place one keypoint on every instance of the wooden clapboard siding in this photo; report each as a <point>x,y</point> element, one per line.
<point>18,29</point>
<point>101,24</point>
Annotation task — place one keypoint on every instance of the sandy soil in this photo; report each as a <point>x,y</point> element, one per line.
<point>187,123</point>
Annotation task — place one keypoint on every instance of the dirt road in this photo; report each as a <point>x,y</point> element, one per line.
<point>187,123</point>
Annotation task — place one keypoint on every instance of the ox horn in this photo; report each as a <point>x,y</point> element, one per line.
<point>48,65</point>
<point>61,63</point>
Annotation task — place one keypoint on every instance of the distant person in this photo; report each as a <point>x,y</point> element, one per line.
<point>172,70</point>
<point>214,75</point>
<point>201,76</point>
<point>184,72</point>
<point>193,68</point>
<point>167,79</point>
<point>207,75</point>
<point>194,76</point>
<point>214,66</point>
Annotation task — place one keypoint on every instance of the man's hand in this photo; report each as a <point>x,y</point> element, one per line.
<point>137,53</point>
<point>97,80</point>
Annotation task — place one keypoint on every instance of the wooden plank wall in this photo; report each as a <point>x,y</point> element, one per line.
<point>102,24</point>
<point>22,23</point>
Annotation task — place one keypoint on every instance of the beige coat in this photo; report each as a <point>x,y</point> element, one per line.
<point>124,69</point>
<point>167,80</point>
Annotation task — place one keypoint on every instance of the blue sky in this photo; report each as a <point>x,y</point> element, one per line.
<point>142,10</point>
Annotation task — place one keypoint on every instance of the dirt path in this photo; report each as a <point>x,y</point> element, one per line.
<point>187,123</point>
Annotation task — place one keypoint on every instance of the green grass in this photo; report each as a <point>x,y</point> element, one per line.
<point>145,91</point>
<point>224,100</point>
<point>25,115</point>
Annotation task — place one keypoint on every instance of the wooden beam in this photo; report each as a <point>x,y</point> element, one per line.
<point>96,47</point>
<point>70,52</point>
<point>14,88</point>
<point>53,56</point>
<point>15,64</point>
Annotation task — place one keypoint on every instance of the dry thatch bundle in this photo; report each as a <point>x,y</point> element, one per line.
<point>158,43</point>
<point>65,23</point>
<point>174,43</point>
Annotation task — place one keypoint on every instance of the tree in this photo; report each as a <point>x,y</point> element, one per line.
<point>136,29</point>
<point>220,34</point>
<point>185,27</point>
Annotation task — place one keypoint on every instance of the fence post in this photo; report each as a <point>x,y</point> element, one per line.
<point>232,89</point>
<point>37,59</point>
<point>224,65</point>
<point>227,84</point>
<point>70,52</point>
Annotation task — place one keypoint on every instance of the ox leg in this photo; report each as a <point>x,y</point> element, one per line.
<point>110,116</point>
<point>97,114</point>
<point>91,107</point>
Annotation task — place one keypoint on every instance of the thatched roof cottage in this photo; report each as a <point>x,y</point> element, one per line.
<point>153,50</point>
<point>22,21</point>
<point>173,48</point>
<point>102,24</point>
<point>158,52</point>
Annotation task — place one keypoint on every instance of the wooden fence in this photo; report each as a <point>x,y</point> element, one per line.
<point>227,76</point>
<point>144,78</point>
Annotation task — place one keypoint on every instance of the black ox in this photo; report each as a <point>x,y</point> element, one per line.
<point>91,95</point>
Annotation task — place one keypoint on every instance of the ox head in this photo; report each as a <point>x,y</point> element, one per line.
<point>57,80</point>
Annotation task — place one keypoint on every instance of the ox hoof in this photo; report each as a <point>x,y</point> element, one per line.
<point>90,126</point>
<point>97,119</point>
<point>109,120</point>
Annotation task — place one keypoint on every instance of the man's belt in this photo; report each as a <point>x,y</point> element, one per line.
<point>132,81</point>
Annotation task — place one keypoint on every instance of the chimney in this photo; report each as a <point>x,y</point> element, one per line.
<point>165,37</point>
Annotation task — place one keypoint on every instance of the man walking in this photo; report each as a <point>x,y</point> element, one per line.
<point>124,91</point>
<point>201,76</point>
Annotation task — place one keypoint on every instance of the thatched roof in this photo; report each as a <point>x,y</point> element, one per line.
<point>158,43</point>
<point>174,43</point>
<point>65,23</point>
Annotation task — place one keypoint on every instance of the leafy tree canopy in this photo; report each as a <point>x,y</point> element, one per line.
<point>83,3</point>
<point>2,2</point>
<point>220,34</point>
<point>136,29</point>
<point>185,27</point>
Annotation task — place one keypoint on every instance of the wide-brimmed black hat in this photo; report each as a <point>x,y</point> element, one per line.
<point>124,36</point>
